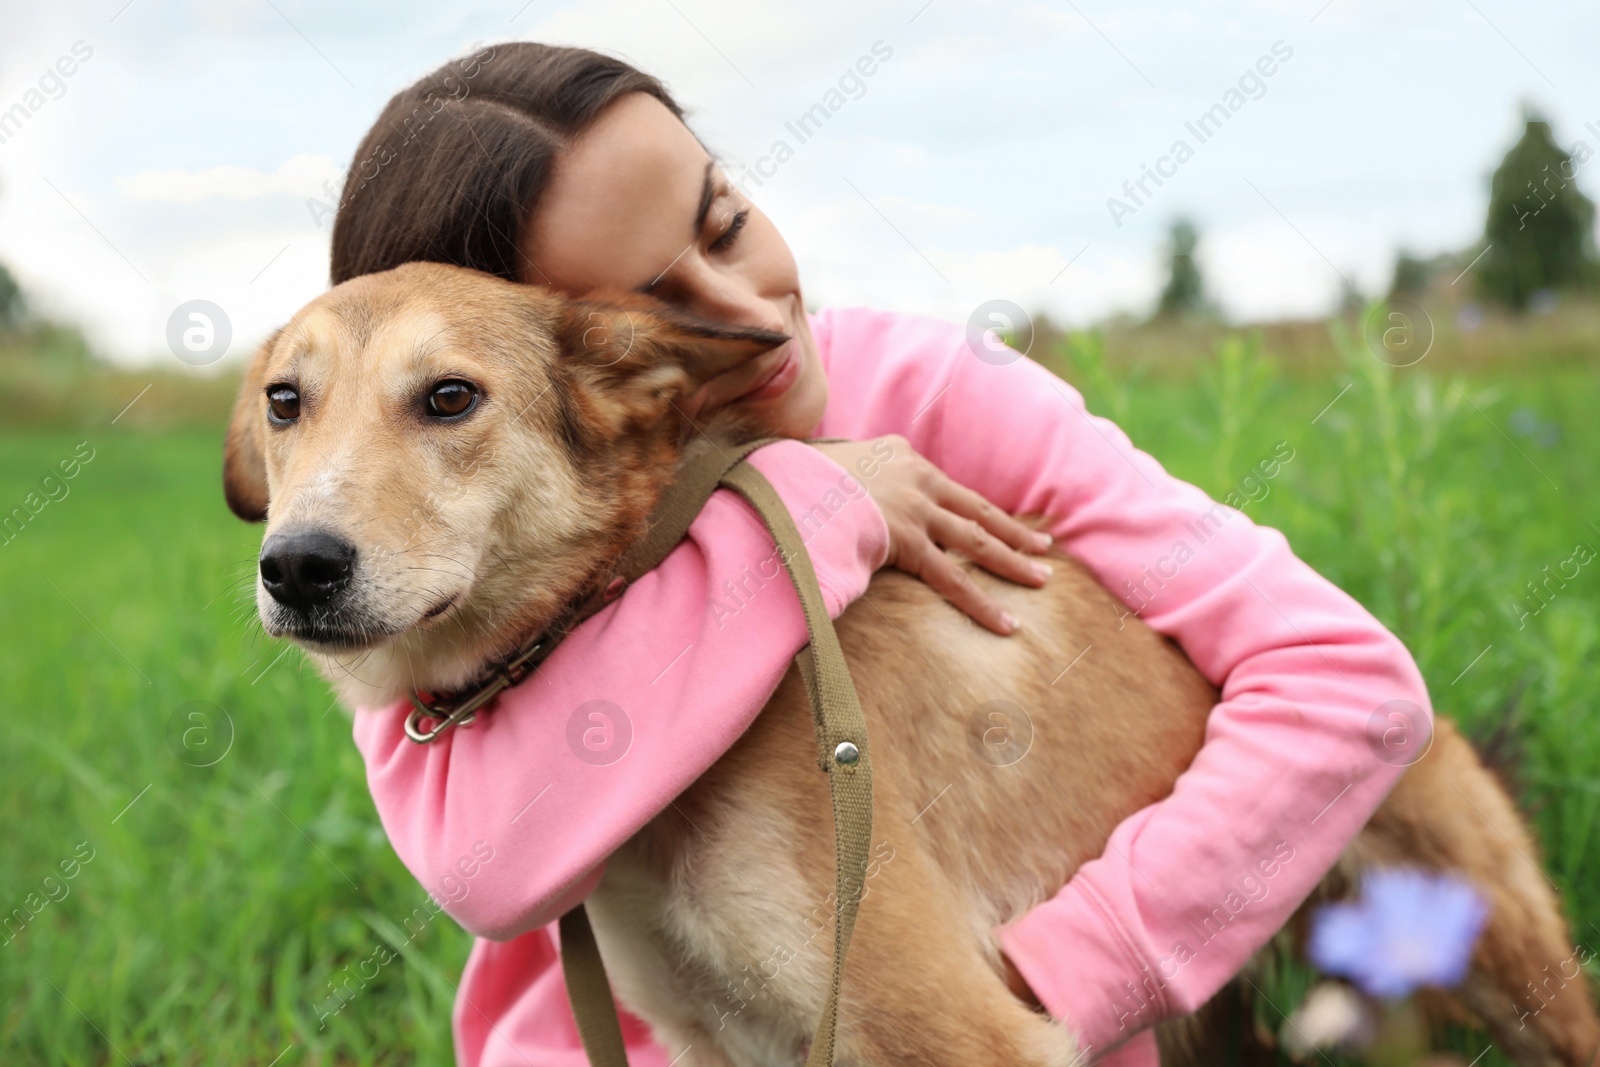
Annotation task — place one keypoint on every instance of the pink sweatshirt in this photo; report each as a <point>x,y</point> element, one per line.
<point>508,825</point>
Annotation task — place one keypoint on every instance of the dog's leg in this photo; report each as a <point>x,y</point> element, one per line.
<point>1450,814</point>
<point>921,992</point>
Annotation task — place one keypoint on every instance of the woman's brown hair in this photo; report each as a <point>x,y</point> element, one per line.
<point>456,162</point>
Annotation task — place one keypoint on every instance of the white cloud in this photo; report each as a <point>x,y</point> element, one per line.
<point>300,175</point>
<point>991,139</point>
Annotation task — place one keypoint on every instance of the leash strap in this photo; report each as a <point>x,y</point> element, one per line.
<point>841,745</point>
<point>589,992</point>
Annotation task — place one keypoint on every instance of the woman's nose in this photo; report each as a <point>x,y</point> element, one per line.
<point>730,297</point>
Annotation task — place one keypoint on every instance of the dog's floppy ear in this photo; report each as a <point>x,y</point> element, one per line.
<point>632,356</point>
<point>244,461</point>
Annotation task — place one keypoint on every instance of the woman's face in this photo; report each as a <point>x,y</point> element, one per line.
<point>636,203</point>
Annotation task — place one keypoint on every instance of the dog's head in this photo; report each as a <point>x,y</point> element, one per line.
<point>444,459</point>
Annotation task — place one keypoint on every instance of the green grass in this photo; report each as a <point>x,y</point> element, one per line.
<point>222,900</point>
<point>218,907</point>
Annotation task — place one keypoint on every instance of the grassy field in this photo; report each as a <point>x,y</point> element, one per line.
<point>226,862</point>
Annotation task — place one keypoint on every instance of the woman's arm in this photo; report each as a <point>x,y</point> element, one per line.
<point>1188,888</point>
<point>507,821</point>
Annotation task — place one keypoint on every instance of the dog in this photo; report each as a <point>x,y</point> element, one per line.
<point>428,544</point>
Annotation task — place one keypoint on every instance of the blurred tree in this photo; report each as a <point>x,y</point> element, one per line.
<point>1411,275</point>
<point>13,308</point>
<point>1185,290</point>
<point>1351,300</point>
<point>1540,230</point>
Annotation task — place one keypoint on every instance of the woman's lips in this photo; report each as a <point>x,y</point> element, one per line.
<point>780,378</point>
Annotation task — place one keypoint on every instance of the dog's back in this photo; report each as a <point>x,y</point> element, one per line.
<point>1000,766</point>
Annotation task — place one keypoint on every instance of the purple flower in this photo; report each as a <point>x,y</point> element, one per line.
<point>1409,929</point>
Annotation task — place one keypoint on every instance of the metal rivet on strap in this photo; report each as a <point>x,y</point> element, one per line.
<point>846,753</point>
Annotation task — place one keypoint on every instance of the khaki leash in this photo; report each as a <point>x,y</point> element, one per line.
<point>841,731</point>
<point>841,750</point>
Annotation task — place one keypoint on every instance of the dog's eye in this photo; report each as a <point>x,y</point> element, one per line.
<point>283,403</point>
<point>452,399</point>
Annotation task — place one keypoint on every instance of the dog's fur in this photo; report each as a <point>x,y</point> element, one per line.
<point>715,919</point>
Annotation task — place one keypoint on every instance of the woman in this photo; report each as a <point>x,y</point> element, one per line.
<point>566,168</point>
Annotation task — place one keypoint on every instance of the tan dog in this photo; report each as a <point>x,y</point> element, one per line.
<point>444,459</point>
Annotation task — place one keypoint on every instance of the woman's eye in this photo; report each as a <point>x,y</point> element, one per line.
<point>452,399</point>
<point>283,403</point>
<point>731,234</point>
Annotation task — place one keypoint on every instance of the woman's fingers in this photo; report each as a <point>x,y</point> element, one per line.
<point>963,501</point>
<point>928,513</point>
<point>971,539</point>
<point>947,578</point>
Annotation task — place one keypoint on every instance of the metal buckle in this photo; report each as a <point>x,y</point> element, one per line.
<point>419,711</point>
<point>505,676</point>
<point>512,669</point>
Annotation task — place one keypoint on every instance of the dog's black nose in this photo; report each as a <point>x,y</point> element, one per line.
<point>304,570</point>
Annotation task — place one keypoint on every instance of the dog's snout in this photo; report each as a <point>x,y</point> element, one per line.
<point>304,570</point>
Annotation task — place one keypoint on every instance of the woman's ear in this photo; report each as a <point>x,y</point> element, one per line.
<point>244,461</point>
<point>632,356</point>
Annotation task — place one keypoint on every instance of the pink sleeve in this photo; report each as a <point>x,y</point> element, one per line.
<point>1188,888</point>
<point>508,821</point>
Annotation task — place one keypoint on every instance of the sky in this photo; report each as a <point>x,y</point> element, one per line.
<point>985,158</point>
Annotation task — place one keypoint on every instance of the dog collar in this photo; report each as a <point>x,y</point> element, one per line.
<point>460,709</point>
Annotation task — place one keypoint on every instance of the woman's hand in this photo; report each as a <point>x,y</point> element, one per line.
<point>928,513</point>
